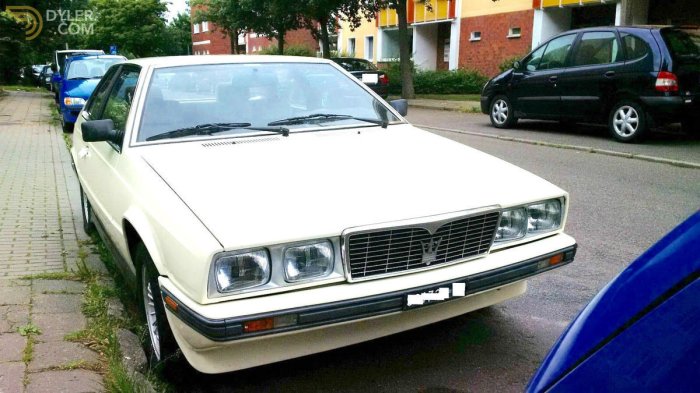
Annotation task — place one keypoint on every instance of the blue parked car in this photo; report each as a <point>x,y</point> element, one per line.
<point>80,77</point>
<point>641,333</point>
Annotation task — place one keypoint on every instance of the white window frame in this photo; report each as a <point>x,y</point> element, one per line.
<point>205,26</point>
<point>475,36</point>
<point>196,28</point>
<point>351,47</point>
<point>369,52</point>
<point>512,33</point>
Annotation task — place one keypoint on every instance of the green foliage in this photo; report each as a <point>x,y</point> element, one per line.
<point>12,47</point>
<point>507,63</point>
<point>178,37</point>
<point>459,81</point>
<point>291,50</point>
<point>28,330</point>
<point>135,26</point>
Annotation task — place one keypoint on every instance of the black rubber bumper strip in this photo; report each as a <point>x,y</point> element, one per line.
<point>232,328</point>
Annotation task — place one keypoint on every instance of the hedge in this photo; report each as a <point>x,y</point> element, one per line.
<point>460,81</point>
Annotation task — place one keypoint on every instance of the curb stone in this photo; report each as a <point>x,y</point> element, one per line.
<point>587,149</point>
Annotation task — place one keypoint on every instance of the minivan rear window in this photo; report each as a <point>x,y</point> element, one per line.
<point>682,44</point>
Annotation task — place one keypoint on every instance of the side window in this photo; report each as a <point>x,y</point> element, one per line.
<point>597,47</point>
<point>120,98</point>
<point>635,47</point>
<point>94,105</point>
<point>556,53</point>
<point>533,61</point>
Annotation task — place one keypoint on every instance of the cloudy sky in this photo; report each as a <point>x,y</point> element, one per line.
<point>175,7</point>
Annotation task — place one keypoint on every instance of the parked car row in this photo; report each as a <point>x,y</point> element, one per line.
<point>627,77</point>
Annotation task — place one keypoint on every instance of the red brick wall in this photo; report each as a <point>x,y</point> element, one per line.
<point>485,55</point>
<point>220,43</point>
<point>294,37</point>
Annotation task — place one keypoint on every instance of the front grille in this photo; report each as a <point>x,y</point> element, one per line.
<point>396,250</point>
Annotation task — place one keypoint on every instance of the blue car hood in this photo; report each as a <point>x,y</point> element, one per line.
<point>674,258</point>
<point>79,88</point>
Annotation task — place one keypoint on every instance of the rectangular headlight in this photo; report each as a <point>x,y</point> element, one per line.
<point>308,261</point>
<point>544,217</point>
<point>513,225</point>
<point>245,270</point>
<point>72,101</point>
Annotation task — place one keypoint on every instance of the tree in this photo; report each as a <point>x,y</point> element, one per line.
<point>178,36</point>
<point>400,6</point>
<point>320,16</point>
<point>137,27</point>
<point>274,18</point>
<point>229,16</point>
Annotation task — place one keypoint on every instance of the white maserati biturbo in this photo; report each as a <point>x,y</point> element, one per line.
<point>271,207</point>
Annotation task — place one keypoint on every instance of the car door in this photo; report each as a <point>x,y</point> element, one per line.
<point>535,86</point>
<point>594,75</point>
<point>100,162</point>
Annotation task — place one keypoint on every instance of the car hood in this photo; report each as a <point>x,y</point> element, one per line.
<point>269,190</point>
<point>79,88</point>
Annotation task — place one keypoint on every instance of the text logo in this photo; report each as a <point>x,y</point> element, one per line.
<point>30,17</point>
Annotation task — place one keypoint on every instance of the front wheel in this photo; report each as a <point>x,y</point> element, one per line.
<point>502,114</point>
<point>161,345</point>
<point>627,121</point>
<point>86,208</point>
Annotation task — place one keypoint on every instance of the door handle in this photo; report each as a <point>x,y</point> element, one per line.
<point>609,74</point>
<point>553,78</point>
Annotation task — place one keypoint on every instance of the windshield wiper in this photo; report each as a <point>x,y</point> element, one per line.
<point>325,116</point>
<point>200,129</point>
<point>212,128</point>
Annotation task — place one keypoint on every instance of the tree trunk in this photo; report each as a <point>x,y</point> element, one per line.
<point>404,52</point>
<point>280,42</point>
<point>233,35</point>
<point>325,44</point>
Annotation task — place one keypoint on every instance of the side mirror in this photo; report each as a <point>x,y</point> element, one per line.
<point>517,65</point>
<point>54,67</point>
<point>100,131</point>
<point>401,106</point>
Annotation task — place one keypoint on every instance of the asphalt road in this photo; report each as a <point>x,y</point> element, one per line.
<point>619,207</point>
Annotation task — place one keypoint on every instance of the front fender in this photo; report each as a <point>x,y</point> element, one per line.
<point>141,224</point>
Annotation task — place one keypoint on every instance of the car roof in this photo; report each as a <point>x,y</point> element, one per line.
<point>80,51</point>
<point>174,61</point>
<point>95,56</point>
<point>598,28</point>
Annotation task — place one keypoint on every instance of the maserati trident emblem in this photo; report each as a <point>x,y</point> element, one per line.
<point>430,248</point>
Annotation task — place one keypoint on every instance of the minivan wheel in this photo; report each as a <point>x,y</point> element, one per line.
<point>627,121</point>
<point>501,113</point>
<point>160,343</point>
<point>86,208</point>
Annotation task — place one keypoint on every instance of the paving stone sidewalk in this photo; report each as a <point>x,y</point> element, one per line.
<point>40,232</point>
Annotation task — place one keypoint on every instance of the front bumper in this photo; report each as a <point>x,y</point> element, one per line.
<point>214,345</point>
<point>485,101</point>
<point>70,113</point>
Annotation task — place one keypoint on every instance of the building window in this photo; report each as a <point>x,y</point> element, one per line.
<point>369,48</point>
<point>475,36</point>
<point>514,32</point>
<point>205,26</point>
<point>351,47</point>
<point>196,28</point>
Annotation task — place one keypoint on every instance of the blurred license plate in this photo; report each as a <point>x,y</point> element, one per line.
<point>436,295</point>
<point>370,78</point>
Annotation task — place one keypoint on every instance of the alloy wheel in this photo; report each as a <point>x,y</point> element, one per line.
<point>626,121</point>
<point>499,112</point>
<point>149,306</point>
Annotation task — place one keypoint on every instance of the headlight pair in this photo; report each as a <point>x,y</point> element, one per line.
<point>243,270</point>
<point>530,220</point>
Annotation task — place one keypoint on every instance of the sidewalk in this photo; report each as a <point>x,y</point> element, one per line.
<point>444,105</point>
<point>40,233</point>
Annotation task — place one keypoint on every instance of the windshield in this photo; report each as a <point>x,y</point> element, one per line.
<point>261,95</point>
<point>90,68</point>
<point>683,43</point>
<point>355,64</point>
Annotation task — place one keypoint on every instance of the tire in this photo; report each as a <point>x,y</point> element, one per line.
<point>501,112</point>
<point>627,121</point>
<point>67,127</point>
<point>160,343</point>
<point>86,209</point>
